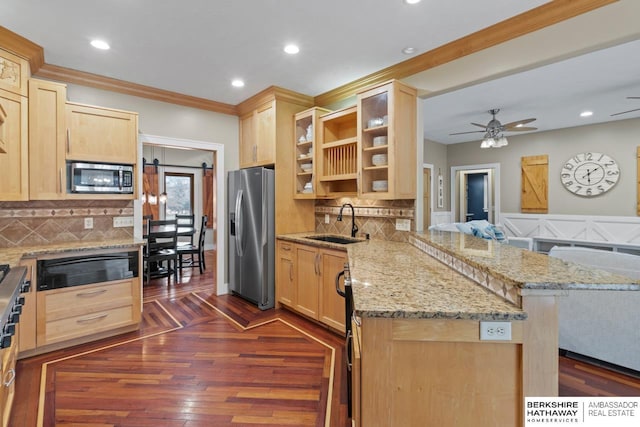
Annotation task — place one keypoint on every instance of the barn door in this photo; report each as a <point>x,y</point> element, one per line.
<point>535,180</point>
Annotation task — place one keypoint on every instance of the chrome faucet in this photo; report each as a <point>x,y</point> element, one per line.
<point>354,227</point>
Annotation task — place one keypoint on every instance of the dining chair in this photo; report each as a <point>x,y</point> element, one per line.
<point>195,251</point>
<point>186,221</point>
<point>161,246</point>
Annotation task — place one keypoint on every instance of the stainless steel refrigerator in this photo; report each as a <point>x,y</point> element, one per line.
<point>251,253</point>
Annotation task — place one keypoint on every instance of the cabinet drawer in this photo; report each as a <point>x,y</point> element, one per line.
<point>86,324</point>
<point>285,249</point>
<point>80,300</point>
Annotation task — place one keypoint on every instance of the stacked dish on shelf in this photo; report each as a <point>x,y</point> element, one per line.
<point>380,185</point>
<point>306,167</point>
<point>379,159</point>
<point>379,140</point>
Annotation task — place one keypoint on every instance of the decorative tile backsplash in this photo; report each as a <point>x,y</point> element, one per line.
<point>42,222</point>
<point>374,217</point>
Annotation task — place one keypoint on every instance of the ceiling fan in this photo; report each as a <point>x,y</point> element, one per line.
<point>494,128</point>
<point>625,112</point>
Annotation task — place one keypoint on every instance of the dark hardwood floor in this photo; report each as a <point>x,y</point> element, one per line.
<point>206,360</point>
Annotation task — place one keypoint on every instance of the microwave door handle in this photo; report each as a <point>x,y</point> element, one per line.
<point>120,178</point>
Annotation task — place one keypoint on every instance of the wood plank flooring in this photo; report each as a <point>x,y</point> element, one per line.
<point>204,360</point>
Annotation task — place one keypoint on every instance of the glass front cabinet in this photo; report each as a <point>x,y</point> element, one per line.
<point>387,141</point>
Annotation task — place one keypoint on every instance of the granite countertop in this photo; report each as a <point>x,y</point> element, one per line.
<point>522,268</point>
<point>12,256</point>
<point>394,279</point>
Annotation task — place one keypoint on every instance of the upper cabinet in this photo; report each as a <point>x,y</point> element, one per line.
<point>387,141</point>
<point>258,136</point>
<point>101,134</point>
<point>305,136</point>
<point>14,73</point>
<point>337,154</point>
<point>14,133</point>
<point>47,133</point>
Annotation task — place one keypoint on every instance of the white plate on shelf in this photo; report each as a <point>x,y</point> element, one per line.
<point>379,159</point>
<point>380,185</point>
<point>306,167</point>
<point>380,140</point>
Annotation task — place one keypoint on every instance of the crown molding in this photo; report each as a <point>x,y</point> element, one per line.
<point>68,75</point>
<point>22,47</point>
<point>273,93</point>
<point>535,19</point>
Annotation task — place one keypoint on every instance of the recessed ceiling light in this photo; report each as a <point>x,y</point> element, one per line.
<point>237,83</point>
<point>100,44</point>
<point>291,49</point>
<point>586,114</point>
<point>411,1</point>
<point>409,50</point>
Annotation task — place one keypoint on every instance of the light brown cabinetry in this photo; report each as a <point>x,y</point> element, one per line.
<point>101,134</point>
<point>8,357</point>
<point>355,364</point>
<point>337,154</point>
<point>285,271</point>
<point>387,142</point>
<point>77,312</point>
<point>305,136</point>
<point>305,282</point>
<point>14,132</point>
<point>258,136</point>
<point>47,130</point>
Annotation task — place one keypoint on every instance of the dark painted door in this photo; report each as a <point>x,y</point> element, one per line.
<point>475,196</point>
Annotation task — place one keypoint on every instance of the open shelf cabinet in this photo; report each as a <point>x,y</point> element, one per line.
<point>338,154</point>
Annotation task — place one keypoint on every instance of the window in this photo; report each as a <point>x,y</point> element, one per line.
<point>179,188</point>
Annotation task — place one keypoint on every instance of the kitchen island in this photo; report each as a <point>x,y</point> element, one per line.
<point>418,357</point>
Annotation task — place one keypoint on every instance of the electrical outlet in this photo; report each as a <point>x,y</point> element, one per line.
<point>403,224</point>
<point>122,221</point>
<point>495,331</point>
<point>326,218</point>
<point>88,223</point>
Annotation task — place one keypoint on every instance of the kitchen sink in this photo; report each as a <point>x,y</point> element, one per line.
<point>334,239</point>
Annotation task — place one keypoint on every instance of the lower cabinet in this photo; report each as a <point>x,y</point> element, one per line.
<point>8,357</point>
<point>305,282</point>
<point>68,313</point>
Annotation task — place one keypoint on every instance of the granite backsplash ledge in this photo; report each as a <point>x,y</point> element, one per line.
<point>43,222</point>
<point>374,217</point>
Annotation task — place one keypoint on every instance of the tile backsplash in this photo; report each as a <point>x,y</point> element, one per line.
<point>42,222</point>
<point>374,217</point>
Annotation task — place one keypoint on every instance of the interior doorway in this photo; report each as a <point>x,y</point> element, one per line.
<point>475,191</point>
<point>213,205</point>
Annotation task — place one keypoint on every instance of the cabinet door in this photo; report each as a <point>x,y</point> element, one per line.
<point>247,141</point>
<point>47,176</point>
<point>27,325</point>
<point>14,132</point>
<point>306,278</point>
<point>285,274</point>
<point>101,134</point>
<point>266,134</point>
<point>331,304</point>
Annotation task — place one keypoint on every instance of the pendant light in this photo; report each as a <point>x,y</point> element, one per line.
<point>163,195</point>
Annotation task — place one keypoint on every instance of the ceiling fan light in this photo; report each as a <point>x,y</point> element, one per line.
<point>501,142</point>
<point>487,143</point>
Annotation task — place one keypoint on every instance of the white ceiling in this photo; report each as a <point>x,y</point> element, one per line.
<point>196,47</point>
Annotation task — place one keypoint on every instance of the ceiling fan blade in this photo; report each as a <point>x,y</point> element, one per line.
<point>633,97</point>
<point>516,123</point>
<point>479,125</point>
<point>521,129</point>
<point>462,133</point>
<point>625,112</point>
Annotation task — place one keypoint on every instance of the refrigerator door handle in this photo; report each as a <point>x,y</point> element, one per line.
<point>239,223</point>
<point>265,282</point>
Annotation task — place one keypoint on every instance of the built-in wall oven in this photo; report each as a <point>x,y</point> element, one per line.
<point>86,269</point>
<point>347,294</point>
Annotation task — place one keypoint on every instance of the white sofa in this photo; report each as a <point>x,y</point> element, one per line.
<point>604,325</point>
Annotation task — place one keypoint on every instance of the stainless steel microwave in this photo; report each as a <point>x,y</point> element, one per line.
<point>99,178</point>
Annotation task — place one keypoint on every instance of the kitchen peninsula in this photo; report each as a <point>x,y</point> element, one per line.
<point>418,356</point>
